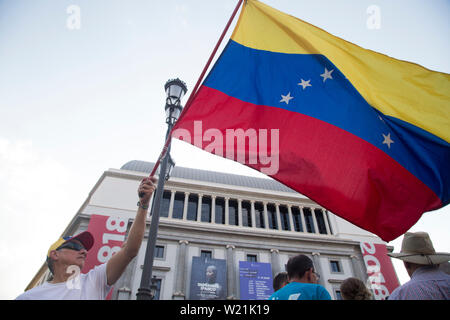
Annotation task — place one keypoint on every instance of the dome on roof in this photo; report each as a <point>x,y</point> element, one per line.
<point>211,176</point>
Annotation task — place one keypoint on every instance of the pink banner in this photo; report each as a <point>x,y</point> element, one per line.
<point>109,235</point>
<point>382,277</point>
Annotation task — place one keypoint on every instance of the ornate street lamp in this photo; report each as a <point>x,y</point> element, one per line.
<point>175,91</point>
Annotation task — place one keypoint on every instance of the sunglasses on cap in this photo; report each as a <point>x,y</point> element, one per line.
<point>72,246</point>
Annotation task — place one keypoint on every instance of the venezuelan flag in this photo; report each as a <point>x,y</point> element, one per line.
<point>364,135</point>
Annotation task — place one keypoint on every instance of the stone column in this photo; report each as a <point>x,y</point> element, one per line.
<point>172,197</point>
<point>277,210</point>
<point>180,279</point>
<point>302,216</point>
<point>185,206</point>
<point>325,218</point>
<point>318,268</point>
<point>291,219</point>
<point>231,275</point>
<point>227,214</point>
<point>253,213</point>
<point>199,208</point>
<point>122,287</point>
<point>275,261</point>
<point>357,270</point>
<point>316,226</point>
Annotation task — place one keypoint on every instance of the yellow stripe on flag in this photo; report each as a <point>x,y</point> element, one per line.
<point>400,89</point>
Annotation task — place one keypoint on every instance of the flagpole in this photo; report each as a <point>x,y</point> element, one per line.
<point>194,91</point>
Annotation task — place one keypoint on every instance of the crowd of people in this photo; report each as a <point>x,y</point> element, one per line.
<point>424,265</point>
<point>428,281</point>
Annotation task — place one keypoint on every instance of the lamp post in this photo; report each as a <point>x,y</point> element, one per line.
<point>175,90</point>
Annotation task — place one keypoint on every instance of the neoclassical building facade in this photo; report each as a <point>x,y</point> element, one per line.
<point>226,218</point>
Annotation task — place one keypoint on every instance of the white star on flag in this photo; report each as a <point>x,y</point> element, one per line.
<point>327,74</point>
<point>387,140</point>
<point>286,98</point>
<point>305,84</point>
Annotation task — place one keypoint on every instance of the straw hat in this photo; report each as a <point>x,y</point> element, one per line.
<point>418,248</point>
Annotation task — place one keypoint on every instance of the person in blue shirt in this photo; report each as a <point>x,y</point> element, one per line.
<point>302,282</point>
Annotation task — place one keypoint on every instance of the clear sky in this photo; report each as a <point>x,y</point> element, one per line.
<point>78,97</point>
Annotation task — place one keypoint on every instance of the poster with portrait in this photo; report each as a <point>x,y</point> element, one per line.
<point>208,279</point>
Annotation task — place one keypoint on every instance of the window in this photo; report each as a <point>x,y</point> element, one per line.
<point>220,210</point>
<point>308,220</point>
<point>206,209</point>
<point>192,207</point>
<point>206,254</point>
<point>272,215</point>
<point>259,215</point>
<point>296,216</point>
<point>320,221</point>
<point>178,206</point>
<point>157,283</point>
<point>284,217</point>
<point>338,295</point>
<point>252,258</point>
<point>164,210</point>
<point>233,212</point>
<point>159,252</point>
<point>335,266</point>
<point>246,213</point>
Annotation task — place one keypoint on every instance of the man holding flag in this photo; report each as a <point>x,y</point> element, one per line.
<point>66,257</point>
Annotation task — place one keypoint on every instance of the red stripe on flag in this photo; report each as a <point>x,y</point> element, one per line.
<point>340,171</point>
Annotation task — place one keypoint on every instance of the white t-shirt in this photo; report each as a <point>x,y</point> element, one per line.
<point>90,286</point>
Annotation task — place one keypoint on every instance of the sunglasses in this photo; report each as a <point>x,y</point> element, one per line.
<point>72,246</point>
